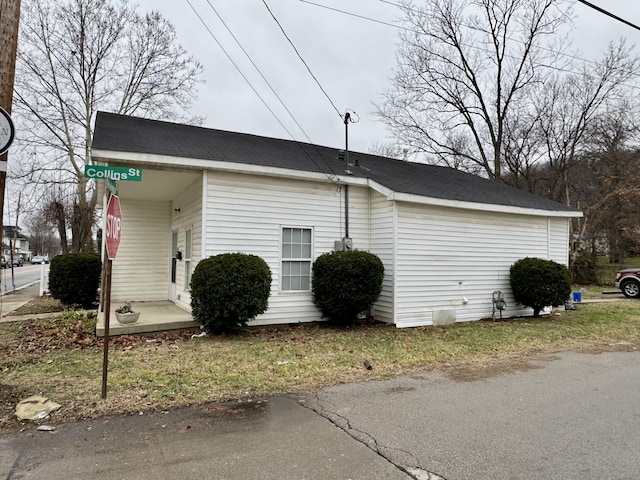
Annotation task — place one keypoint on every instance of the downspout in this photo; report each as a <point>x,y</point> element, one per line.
<point>347,116</point>
<point>346,211</point>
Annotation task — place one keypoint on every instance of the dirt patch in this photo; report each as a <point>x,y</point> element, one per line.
<point>45,304</point>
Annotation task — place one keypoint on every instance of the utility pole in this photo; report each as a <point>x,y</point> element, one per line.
<point>9,21</point>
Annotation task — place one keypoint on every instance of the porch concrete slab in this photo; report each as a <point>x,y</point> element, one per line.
<point>154,317</point>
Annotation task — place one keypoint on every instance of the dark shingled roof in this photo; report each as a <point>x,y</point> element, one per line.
<point>132,134</point>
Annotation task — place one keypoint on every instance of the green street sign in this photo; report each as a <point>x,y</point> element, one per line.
<point>103,172</point>
<point>112,186</point>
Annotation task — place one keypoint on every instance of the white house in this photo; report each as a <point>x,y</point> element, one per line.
<point>446,238</point>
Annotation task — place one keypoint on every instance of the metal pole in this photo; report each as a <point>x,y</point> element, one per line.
<point>347,117</point>
<point>107,309</point>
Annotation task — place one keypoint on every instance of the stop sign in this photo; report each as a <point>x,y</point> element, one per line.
<point>113,227</point>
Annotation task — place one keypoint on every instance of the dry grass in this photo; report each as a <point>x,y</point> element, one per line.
<point>61,358</point>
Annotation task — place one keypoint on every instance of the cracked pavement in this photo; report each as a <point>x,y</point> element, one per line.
<point>570,416</point>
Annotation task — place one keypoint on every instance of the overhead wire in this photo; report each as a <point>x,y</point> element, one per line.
<point>258,70</point>
<point>402,27</point>
<point>609,14</point>
<point>239,70</point>
<point>302,59</point>
<point>332,177</point>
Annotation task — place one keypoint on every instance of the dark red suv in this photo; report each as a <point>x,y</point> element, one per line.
<point>628,281</point>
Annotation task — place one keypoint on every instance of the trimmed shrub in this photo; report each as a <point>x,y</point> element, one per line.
<point>537,283</point>
<point>345,284</point>
<point>74,278</point>
<point>228,290</point>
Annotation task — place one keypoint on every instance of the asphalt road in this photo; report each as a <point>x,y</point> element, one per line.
<point>22,276</point>
<point>570,416</point>
<point>574,417</point>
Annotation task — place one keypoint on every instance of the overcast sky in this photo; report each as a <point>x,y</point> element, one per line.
<point>352,58</point>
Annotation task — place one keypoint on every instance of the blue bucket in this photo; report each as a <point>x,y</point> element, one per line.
<point>577,297</point>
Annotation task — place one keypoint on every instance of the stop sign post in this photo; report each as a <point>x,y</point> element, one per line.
<point>112,234</point>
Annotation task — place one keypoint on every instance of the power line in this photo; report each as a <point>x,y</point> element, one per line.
<point>259,71</point>
<point>609,14</point>
<point>401,27</point>
<point>330,177</point>
<point>302,59</point>
<point>238,69</point>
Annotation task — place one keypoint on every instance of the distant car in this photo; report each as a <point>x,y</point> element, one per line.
<point>18,260</point>
<point>628,281</point>
<point>39,260</point>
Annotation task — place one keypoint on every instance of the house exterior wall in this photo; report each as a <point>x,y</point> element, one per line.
<point>449,261</point>
<point>141,268</point>
<point>189,217</point>
<point>246,213</point>
<point>383,245</point>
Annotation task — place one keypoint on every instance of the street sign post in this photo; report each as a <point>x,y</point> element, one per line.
<point>112,234</point>
<point>103,172</point>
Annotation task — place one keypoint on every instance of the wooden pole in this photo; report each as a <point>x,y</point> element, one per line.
<point>9,21</point>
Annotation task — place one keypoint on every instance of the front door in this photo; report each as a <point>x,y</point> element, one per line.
<point>174,265</point>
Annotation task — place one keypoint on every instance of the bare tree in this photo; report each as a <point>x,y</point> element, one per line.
<point>79,56</point>
<point>462,66</point>
<point>42,238</point>
<point>570,105</point>
<point>607,182</point>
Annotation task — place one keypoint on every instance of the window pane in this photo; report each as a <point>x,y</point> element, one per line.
<point>187,246</point>
<point>187,275</point>
<point>286,235</point>
<point>286,283</point>
<point>306,236</point>
<point>305,268</point>
<point>305,283</point>
<point>296,251</point>
<point>295,283</point>
<point>286,250</point>
<point>296,236</point>
<point>306,251</point>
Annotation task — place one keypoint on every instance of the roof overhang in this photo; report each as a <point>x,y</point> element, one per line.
<point>184,165</point>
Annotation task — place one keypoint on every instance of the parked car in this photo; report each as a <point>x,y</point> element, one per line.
<point>628,281</point>
<point>39,260</point>
<point>18,260</point>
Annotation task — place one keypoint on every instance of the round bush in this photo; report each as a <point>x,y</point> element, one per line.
<point>537,283</point>
<point>74,278</point>
<point>228,290</point>
<point>345,284</point>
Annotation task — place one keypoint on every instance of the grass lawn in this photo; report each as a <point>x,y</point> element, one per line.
<point>60,358</point>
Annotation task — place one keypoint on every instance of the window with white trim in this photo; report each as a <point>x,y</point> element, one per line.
<point>296,259</point>
<point>187,259</point>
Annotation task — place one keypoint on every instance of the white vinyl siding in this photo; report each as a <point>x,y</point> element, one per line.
<point>452,260</point>
<point>383,245</point>
<point>246,214</point>
<point>141,268</point>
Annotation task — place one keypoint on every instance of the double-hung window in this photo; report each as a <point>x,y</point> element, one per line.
<point>296,258</point>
